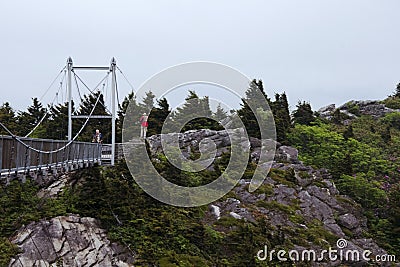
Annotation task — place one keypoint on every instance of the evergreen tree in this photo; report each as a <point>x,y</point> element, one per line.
<point>197,108</point>
<point>220,114</point>
<point>8,118</point>
<point>303,114</point>
<point>280,109</point>
<point>57,124</point>
<point>397,92</point>
<point>147,106</point>
<point>104,125</point>
<point>337,117</point>
<point>27,120</point>
<point>348,133</point>
<point>254,96</point>
<point>158,116</point>
<point>148,101</point>
<point>129,99</point>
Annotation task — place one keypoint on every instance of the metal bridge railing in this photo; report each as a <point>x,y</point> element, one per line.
<point>106,153</point>
<point>17,157</point>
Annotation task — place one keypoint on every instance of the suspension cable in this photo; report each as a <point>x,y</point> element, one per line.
<point>77,86</point>
<point>41,98</point>
<point>126,79</point>
<point>80,96</point>
<point>48,110</point>
<point>116,91</point>
<point>59,149</point>
<point>92,91</point>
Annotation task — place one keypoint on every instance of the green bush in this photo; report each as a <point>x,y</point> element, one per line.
<point>7,250</point>
<point>392,102</point>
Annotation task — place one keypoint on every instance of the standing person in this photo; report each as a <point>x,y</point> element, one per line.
<point>143,125</point>
<point>97,137</point>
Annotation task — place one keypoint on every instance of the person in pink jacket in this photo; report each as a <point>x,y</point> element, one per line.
<point>143,125</point>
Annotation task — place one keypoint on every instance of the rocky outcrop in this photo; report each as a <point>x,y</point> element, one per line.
<point>300,204</point>
<point>205,140</point>
<point>303,200</point>
<point>199,140</point>
<point>354,109</point>
<point>68,241</point>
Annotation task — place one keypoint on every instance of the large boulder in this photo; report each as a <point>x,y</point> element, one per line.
<point>349,221</point>
<point>287,154</point>
<point>69,241</point>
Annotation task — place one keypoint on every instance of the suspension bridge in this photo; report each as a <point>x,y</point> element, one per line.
<point>34,156</point>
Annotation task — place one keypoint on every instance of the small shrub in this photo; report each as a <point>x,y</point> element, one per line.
<point>275,205</point>
<point>392,102</point>
<point>7,250</point>
<point>354,109</point>
<point>267,189</point>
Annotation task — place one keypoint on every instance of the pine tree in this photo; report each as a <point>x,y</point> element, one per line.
<point>397,92</point>
<point>147,106</point>
<point>337,117</point>
<point>148,101</point>
<point>197,108</point>
<point>128,100</point>
<point>280,109</point>
<point>256,96</point>
<point>57,124</point>
<point>37,110</point>
<point>8,118</point>
<point>104,125</point>
<point>348,133</point>
<point>158,116</point>
<point>220,114</point>
<point>27,120</point>
<point>303,113</point>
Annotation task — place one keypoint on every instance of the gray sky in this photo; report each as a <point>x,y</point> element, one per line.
<point>319,51</point>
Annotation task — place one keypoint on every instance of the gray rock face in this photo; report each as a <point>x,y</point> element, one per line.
<point>327,108</point>
<point>205,141</point>
<point>365,107</point>
<point>349,221</point>
<point>194,138</point>
<point>327,111</point>
<point>68,241</point>
<point>312,197</point>
<point>287,154</point>
<point>313,193</point>
<point>55,187</point>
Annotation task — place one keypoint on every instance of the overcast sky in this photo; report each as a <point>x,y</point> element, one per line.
<point>319,51</point>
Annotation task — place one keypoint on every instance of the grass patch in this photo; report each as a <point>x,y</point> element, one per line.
<point>344,200</point>
<point>297,218</point>
<point>267,189</point>
<point>304,175</point>
<point>283,177</point>
<point>275,205</point>
<point>320,184</point>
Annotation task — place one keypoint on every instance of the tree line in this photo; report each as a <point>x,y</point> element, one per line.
<point>55,123</point>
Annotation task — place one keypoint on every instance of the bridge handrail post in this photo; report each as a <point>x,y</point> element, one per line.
<point>17,154</point>
<point>99,149</point>
<point>1,154</point>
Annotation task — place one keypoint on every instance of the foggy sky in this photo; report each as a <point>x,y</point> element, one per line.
<point>319,51</point>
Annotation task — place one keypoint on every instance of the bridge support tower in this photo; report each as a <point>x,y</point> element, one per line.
<point>112,69</point>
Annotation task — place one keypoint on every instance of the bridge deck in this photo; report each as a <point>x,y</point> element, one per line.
<point>22,155</point>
